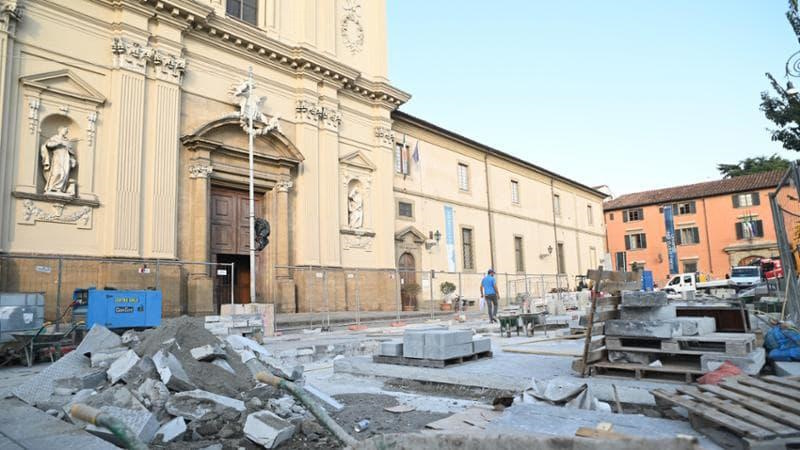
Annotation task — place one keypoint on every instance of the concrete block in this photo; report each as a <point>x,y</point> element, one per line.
<point>106,357</point>
<point>480,345</point>
<point>630,357</point>
<point>142,423</point>
<point>84,380</point>
<point>277,368</point>
<point>211,319</point>
<point>392,348</point>
<point>267,429</point>
<point>39,388</point>
<point>451,351</point>
<point>447,338</point>
<point>241,343</point>
<point>662,329</point>
<point>143,370</point>
<point>696,326</point>
<point>171,372</point>
<point>208,353</point>
<point>642,299</point>
<point>98,338</point>
<point>786,368</point>
<point>197,404</point>
<point>414,344</point>
<point>655,313</point>
<point>121,366</point>
<point>130,338</point>
<point>154,394</point>
<point>171,430</point>
<point>750,364</point>
<point>224,364</point>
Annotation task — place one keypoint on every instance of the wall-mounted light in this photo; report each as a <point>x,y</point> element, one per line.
<point>549,252</point>
<point>433,239</point>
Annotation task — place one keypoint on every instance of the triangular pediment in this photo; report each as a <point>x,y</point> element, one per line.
<point>357,159</point>
<point>64,82</point>
<point>411,232</point>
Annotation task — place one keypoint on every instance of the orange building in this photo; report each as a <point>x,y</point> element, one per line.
<point>718,224</point>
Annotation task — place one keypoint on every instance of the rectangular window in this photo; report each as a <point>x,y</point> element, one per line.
<point>405,209</point>
<point>622,264</point>
<point>589,215</point>
<point>611,216</point>
<point>689,266</point>
<point>467,249</point>
<point>398,158</point>
<point>749,229</point>
<point>518,256</point>
<point>687,236</point>
<point>680,209</point>
<point>562,265</point>
<point>514,192</point>
<point>463,177</point>
<point>557,205</point>
<point>246,10</point>
<point>746,200</point>
<point>633,215</point>
<point>635,241</point>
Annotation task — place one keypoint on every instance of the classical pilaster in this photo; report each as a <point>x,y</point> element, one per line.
<point>308,183</point>
<point>330,121</point>
<point>128,88</point>
<point>161,179</point>
<point>10,15</point>
<point>281,232</point>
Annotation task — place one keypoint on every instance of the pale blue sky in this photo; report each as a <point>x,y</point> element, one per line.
<point>636,94</point>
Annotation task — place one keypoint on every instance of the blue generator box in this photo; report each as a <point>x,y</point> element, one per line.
<point>123,309</point>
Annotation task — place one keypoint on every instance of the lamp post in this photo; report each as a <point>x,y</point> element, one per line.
<point>251,109</point>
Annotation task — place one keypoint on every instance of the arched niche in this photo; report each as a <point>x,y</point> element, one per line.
<point>51,127</point>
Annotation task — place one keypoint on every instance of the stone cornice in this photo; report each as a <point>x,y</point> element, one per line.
<point>10,14</point>
<point>295,59</point>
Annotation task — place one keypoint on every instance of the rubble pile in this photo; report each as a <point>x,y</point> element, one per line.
<point>175,386</point>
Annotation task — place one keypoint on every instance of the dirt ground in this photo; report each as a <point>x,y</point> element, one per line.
<point>310,435</point>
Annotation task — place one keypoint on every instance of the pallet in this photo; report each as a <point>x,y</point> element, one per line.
<point>670,371</point>
<point>434,363</point>
<point>734,344</point>
<point>752,413</point>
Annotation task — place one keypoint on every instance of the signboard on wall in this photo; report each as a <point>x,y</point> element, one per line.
<point>669,238</point>
<point>449,239</point>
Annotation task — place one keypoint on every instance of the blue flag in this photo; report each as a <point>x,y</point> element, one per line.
<point>416,153</point>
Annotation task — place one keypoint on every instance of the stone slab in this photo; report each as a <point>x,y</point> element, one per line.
<point>121,366</point>
<point>323,397</point>
<point>98,338</point>
<point>786,368</point>
<point>267,429</point>
<point>106,357</point>
<point>239,343</point>
<point>750,364</point>
<point>447,338</point>
<point>655,313</point>
<point>480,345</point>
<point>224,364</point>
<point>171,372</point>
<point>643,299</point>
<point>208,352</point>
<point>171,430</point>
<point>414,345</point>
<point>142,423</point>
<point>696,326</point>
<point>393,348</point>
<point>448,352</point>
<point>196,404</point>
<point>661,329</point>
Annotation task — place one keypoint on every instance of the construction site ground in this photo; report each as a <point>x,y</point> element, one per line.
<point>339,363</point>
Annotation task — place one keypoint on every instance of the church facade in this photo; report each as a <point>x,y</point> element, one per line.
<point>122,136</point>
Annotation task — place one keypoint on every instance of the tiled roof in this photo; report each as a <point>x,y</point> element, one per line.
<point>743,183</point>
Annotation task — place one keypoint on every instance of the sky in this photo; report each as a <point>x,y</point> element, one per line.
<point>633,94</point>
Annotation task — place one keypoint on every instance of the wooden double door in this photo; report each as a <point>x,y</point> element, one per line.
<point>230,242</point>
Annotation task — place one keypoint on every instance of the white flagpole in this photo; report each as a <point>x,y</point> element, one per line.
<point>250,132</point>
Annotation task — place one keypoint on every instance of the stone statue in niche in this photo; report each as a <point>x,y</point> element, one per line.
<point>58,160</point>
<point>355,208</point>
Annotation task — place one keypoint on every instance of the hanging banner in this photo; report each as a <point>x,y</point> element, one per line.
<point>672,253</point>
<point>449,239</point>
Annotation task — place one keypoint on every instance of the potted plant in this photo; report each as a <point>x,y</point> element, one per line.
<point>448,290</point>
<point>408,294</point>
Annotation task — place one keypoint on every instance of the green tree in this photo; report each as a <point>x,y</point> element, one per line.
<point>753,165</point>
<point>784,108</point>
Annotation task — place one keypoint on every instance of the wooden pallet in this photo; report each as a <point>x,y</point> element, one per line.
<point>434,363</point>
<point>748,412</point>
<point>686,372</point>
<point>734,344</point>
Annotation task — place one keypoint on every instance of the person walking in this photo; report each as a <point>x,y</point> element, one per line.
<point>489,293</point>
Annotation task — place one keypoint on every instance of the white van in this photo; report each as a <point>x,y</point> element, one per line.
<point>686,282</point>
<point>745,276</point>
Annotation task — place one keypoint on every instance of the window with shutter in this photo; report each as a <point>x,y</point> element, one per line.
<point>735,198</point>
<point>756,200</point>
<point>635,241</point>
<point>687,236</point>
<point>627,242</point>
<point>758,228</point>
<point>518,254</point>
<point>463,177</point>
<point>467,249</point>
<point>678,238</point>
<point>746,200</point>
<point>514,192</point>
<point>739,231</point>
<point>398,158</point>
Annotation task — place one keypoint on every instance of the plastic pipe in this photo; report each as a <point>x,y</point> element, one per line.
<point>96,417</point>
<point>312,405</point>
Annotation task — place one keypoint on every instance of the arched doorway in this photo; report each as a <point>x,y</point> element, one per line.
<point>408,281</point>
<point>752,260</point>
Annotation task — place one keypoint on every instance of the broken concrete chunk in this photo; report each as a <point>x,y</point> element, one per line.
<point>208,353</point>
<point>200,405</point>
<point>143,370</point>
<point>323,397</point>
<point>655,313</point>
<point>750,364</point>
<point>85,380</point>
<point>38,388</point>
<point>280,370</point>
<point>130,338</point>
<point>643,299</point>
<point>224,364</point>
<point>104,358</point>
<point>266,429</point>
<point>154,394</point>
<point>171,372</point>
<point>246,355</point>
<point>98,338</point>
<point>282,406</point>
<point>240,343</point>
<point>629,357</point>
<point>172,430</point>
<point>696,326</point>
<point>121,366</point>
<point>663,329</point>
<point>392,348</point>
<point>141,423</point>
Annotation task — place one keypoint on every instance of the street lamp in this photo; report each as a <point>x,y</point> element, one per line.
<point>791,90</point>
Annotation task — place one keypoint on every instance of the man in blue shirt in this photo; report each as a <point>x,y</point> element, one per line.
<point>489,292</point>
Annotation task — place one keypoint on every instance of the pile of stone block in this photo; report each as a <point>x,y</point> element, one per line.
<point>436,344</point>
<point>244,320</point>
<point>177,385</point>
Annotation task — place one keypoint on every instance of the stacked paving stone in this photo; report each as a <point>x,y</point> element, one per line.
<point>436,344</point>
<point>178,384</point>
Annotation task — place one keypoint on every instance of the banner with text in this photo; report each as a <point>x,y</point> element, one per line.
<point>672,253</point>
<point>450,239</point>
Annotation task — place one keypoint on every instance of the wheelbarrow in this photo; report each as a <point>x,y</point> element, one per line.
<point>35,340</point>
